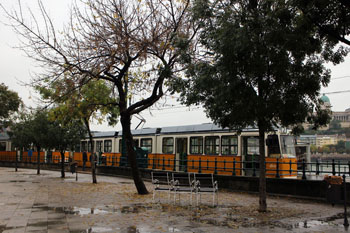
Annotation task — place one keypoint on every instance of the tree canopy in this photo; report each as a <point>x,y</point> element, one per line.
<point>259,63</point>
<point>135,45</point>
<point>9,102</point>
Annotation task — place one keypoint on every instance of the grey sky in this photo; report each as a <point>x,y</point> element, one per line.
<point>16,68</point>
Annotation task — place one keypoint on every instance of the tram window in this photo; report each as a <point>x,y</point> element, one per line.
<point>146,143</point>
<point>108,146</point>
<point>99,146</point>
<point>77,148</point>
<point>229,145</point>
<point>212,145</point>
<point>84,146</point>
<point>168,145</point>
<point>196,145</point>
<point>120,145</point>
<point>2,146</point>
<point>89,146</point>
<point>253,146</point>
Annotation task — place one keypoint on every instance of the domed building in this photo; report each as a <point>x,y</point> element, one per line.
<point>342,117</point>
<point>326,102</point>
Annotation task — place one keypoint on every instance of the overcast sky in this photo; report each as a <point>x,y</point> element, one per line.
<point>16,69</point>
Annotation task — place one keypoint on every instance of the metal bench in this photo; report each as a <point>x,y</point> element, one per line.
<point>162,183</point>
<point>204,183</point>
<point>183,183</point>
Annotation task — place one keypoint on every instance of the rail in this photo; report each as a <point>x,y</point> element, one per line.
<point>276,168</point>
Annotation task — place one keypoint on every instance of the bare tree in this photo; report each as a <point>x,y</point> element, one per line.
<point>136,45</point>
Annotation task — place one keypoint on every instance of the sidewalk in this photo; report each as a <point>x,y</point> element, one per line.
<point>47,203</point>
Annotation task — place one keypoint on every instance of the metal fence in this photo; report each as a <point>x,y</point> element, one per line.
<point>274,169</point>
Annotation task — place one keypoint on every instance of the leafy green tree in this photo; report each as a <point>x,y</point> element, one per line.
<point>32,131</point>
<point>134,45</point>
<point>313,149</point>
<point>9,102</point>
<point>65,136</point>
<point>331,17</point>
<point>340,147</point>
<point>260,63</point>
<point>334,124</point>
<point>81,103</point>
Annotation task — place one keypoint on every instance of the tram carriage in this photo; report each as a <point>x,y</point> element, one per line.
<point>204,148</point>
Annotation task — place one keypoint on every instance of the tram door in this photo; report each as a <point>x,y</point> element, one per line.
<point>251,156</point>
<point>181,154</point>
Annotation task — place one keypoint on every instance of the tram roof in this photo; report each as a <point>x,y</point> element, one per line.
<point>105,134</point>
<point>207,127</point>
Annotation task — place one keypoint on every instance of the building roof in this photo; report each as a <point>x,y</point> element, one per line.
<point>325,99</point>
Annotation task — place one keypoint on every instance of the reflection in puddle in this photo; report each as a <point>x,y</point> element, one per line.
<point>99,229</point>
<point>312,224</point>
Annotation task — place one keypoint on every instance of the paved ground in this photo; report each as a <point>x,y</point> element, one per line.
<point>47,203</point>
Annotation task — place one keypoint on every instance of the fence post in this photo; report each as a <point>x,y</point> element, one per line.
<point>254,171</point>
<point>317,167</point>
<point>174,167</point>
<point>163,167</point>
<point>304,175</point>
<point>216,163</point>
<point>207,164</point>
<point>153,163</point>
<point>200,166</point>
<point>185,164</point>
<point>277,169</point>
<point>192,164</point>
<point>333,167</point>
<point>346,223</point>
<point>290,167</point>
<point>224,165</point>
<point>339,168</point>
<point>234,168</point>
<point>349,167</point>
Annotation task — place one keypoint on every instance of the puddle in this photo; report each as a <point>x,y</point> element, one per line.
<point>17,181</point>
<point>100,229</point>
<point>311,224</point>
<point>37,224</point>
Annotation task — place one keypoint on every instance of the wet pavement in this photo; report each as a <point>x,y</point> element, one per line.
<point>47,203</point>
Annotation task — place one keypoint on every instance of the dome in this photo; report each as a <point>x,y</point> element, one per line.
<point>325,99</point>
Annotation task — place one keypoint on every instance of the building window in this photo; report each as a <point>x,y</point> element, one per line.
<point>98,146</point>
<point>84,146</point>
<point>196,145</point>
<point>229,145</point>
<point>146,143</point>
<point>212,145</point>
<point>108,146</point>
<point>168,145</point>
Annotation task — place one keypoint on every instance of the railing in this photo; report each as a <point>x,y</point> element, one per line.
<point>274,169</point>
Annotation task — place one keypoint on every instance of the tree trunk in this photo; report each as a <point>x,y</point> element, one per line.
<point>131,154</point>
<point>92,161</point>
<point>16,162</point>
<point>38,162</point>
<point>262,176</point>
<point>62,164</point>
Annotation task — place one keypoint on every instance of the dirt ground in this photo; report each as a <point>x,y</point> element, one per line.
<point>47,203</point>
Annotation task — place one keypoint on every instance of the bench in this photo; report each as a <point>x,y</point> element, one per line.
<point>204,183</point>
<point>183,183</point>
<point>190,183</point>
<point>162,183</point>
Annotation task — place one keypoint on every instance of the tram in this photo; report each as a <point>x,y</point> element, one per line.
<point>205,148</point>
